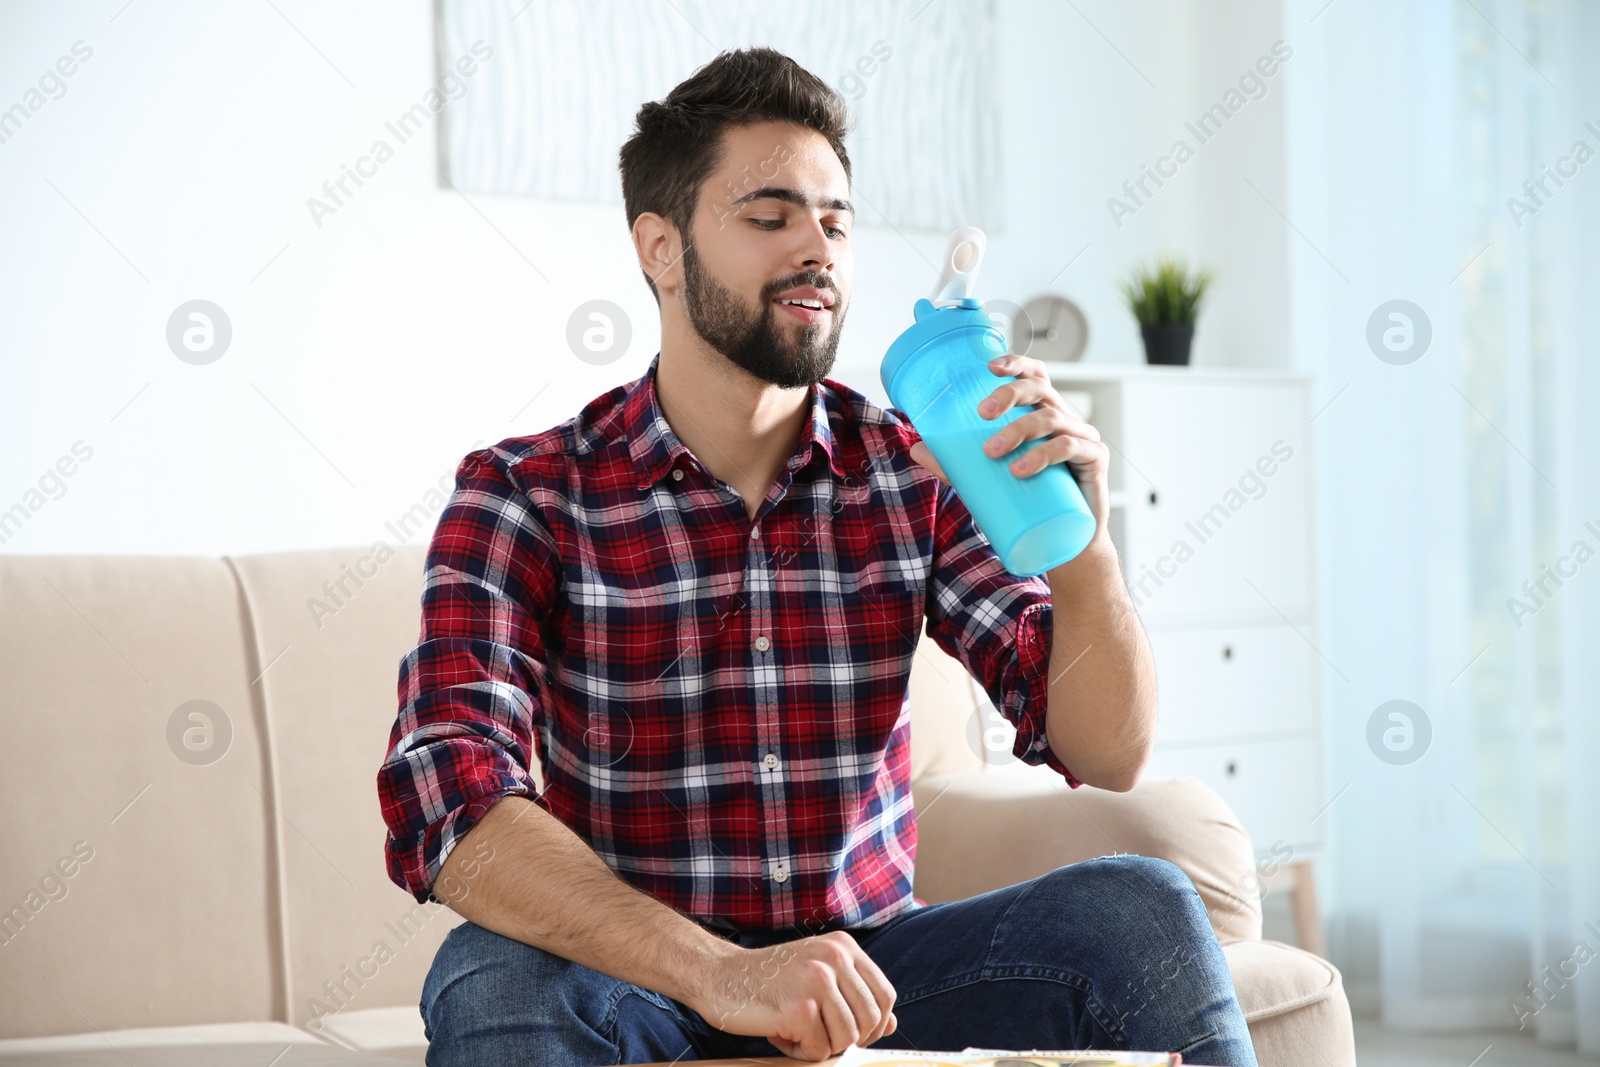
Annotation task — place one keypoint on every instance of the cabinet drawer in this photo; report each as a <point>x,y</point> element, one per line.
<point>1217,499</point>
<point>1275,787</point>
<point>1218,683</point>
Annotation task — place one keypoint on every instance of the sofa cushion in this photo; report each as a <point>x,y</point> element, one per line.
<point>219,1045</point>
<point>168,914</point>
<point>1294,1002</point>
<point>395,1032</point>
<point>1272,978</point>
<point>277,1034</point>
<point>944,714</point>
<point>977,832</point>
<point>334,626</point>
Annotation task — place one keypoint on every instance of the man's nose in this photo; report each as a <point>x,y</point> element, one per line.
<point>816,252</point>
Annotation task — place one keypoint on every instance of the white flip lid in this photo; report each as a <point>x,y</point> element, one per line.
<point>958,277</point>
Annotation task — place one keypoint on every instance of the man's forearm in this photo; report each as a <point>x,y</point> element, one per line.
<point>1102,712</point>
<point>544,886</point>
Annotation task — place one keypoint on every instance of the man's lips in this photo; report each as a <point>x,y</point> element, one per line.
<point>809,294</point>
<point>794,300</point>
<point>805,314</point>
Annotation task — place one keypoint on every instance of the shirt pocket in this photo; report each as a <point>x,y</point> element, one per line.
<point>881,608</point>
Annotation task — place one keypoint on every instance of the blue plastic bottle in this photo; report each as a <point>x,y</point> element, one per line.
<point>937,372</point>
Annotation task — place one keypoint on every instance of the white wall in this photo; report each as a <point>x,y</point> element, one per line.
<point>1088,101</point>
<point>375,350</point>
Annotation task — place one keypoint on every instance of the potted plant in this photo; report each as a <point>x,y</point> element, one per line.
<point>1166,299</point>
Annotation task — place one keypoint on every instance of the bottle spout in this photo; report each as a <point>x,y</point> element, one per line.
<point>958,277</point>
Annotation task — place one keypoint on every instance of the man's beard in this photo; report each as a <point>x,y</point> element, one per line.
<point>759,343</point>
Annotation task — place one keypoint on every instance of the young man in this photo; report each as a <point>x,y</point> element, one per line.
<point>700,598</point>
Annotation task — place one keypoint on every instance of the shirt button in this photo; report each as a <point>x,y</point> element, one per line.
<point>762,644</point>
<point>769,761</point>
<point>780,873</point>
<point>677,476</point>
<point>755,532</point>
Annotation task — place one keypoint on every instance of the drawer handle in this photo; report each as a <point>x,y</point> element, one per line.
<point>1227,651</point>
<point>1232,769</point>
<point>1152,498</point>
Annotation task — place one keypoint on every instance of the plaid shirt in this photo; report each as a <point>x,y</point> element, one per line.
<point>720,704</point>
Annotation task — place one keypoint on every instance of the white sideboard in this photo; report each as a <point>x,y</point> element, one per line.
<point>1211,513</point>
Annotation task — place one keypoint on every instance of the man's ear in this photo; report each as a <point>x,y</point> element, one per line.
<point>659,246</point>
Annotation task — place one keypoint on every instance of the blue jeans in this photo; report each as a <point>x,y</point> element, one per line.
<point>1111,953</point>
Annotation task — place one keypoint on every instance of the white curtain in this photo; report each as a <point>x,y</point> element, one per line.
<point>1447,482</point>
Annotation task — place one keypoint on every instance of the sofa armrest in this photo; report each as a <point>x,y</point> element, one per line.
<point>984,830</point>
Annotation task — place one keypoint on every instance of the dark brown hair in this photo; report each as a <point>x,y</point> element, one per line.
<point>677,141</point>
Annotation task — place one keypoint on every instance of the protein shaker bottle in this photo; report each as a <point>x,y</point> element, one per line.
<point>937,372</point>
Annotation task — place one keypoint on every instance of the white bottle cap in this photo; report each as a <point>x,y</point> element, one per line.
<point>958,277</point>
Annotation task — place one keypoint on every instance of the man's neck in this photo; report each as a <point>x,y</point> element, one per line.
<point>742,429</point>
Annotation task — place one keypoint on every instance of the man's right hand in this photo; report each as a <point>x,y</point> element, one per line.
<point>812,997</point>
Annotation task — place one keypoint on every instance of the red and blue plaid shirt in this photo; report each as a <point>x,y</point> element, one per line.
<point>719,704</point>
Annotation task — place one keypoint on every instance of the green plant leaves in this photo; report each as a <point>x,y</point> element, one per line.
<point>1166,293</point>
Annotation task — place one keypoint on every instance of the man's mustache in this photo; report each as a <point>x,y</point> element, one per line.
<point>773,291</point>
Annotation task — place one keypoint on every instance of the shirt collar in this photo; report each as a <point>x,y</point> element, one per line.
<point>656,450</point>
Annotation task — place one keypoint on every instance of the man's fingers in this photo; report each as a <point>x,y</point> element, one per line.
<point>1033,389</point>
<point>882,993</point>
<point>1045,422</point>
<point>1011,394</point>
<point>864,1004</point>
<point>1019,366</point>
<point>1034,424</point>
<point>1020,393</point>
<point>1064,449</point>
<point>840,1023</point>
<point>811,1042</point>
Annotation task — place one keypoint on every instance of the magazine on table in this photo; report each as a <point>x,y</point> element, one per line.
<point>856,1056</point>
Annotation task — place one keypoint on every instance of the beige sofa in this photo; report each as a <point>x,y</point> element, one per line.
<point>222,899</point>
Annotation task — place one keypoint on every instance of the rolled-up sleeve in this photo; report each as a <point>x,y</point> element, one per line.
<point>997,624</point>
<point>469,692</point>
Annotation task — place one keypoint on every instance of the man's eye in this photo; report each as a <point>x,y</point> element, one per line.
<point>770,224</point>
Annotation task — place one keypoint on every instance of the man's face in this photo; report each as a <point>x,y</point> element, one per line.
<point>773,224</point>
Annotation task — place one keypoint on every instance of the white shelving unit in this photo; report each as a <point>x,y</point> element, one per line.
<point>1211,513</point>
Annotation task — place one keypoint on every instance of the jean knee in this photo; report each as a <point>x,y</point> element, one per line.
<point>1139,878</point>
<point>1153,877</point>
<point>1131,900</point>
<point>489,996</point>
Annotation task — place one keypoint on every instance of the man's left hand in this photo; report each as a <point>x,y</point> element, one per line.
<point>1068,437</point>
